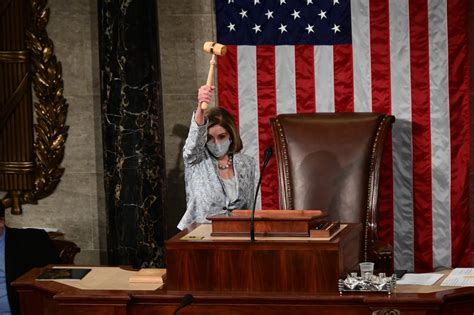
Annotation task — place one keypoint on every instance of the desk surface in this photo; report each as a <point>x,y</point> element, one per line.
<point>203,233</point>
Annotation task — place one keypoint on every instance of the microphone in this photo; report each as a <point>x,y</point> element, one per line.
<point>185,301</point>
<point>266,157</point>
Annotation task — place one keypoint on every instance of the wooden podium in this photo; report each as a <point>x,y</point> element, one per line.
<point>197,261</point>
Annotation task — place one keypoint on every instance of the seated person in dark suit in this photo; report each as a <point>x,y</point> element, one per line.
<point>20,251</point>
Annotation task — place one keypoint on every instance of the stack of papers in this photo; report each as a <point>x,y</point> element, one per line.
<point>460,277</point>
<point>420,278</point>
<point>149,275</point>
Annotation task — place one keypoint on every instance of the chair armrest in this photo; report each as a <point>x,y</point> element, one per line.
<point>67,250</point>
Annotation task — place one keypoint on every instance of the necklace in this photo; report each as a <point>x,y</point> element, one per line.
<point>226,165</point>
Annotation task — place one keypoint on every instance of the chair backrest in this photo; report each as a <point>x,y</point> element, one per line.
<point>331,162</point>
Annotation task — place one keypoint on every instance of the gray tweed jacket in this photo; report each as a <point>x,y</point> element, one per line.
<point>205,195</point>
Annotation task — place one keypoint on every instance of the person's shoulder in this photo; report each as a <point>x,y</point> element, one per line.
<point>33,235</point>
<point>245,158</point>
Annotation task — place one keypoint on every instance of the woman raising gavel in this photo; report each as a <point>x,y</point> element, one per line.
<point>218,177</point>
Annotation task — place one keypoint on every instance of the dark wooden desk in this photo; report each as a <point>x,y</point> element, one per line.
<point>270,264</point>
<point>55,298</point>
<point>236,276</point>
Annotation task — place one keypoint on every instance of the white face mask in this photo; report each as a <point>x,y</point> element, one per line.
<point>218,149</point>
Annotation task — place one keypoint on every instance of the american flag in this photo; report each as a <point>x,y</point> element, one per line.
<point>401,57</point>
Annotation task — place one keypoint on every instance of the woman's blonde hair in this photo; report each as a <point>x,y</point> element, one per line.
<point>221,117</point>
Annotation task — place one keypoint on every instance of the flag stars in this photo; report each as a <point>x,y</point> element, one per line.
<point>269,14</point>
<point>282,28</point>
<point>308,2</point>
<point>282,2</point>
<point>243,13</point>
<point>256,28</point>
<point>310,28</point>
<point>230,1</point>
<point>255,2</point>
<point>231,27</point>
<point>335,2</point>
<point>336,29</point>
<point>295,14</point>
<point>322,14</point>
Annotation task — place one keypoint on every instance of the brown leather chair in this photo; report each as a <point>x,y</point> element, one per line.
<point>331,162</point>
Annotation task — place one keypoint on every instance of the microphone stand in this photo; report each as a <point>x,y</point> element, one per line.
<point>266,158</point>
<point>187,299</point>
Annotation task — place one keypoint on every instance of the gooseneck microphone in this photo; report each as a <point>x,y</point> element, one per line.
<point>185,301</point>
<point>266,157</point>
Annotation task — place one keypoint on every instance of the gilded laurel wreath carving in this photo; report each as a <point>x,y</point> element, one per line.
<point>50,107</point>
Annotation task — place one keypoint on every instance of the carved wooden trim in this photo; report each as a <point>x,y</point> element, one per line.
<point>374,178</point>
<point>286,195</point>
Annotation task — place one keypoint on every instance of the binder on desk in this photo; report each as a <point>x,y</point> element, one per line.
<point>63,274</point>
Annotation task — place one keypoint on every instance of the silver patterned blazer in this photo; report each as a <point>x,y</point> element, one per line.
<point>205,195</point>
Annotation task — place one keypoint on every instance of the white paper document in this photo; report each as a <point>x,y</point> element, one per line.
<point>420,278</point>
<point>460,277</point>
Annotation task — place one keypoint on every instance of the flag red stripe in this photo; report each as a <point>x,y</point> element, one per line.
<point>304,73</point>
<point>266,97</point>
<point>460,138</point>
<point>343,78</point>
<point>227,82</point>
<point>381,102</point>
<point>420,91</point>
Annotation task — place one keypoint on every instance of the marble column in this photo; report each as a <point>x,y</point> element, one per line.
<point>132,123</point>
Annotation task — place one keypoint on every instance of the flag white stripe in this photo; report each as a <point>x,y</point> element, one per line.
<point>324,78</point>
<point>248,101</point>
<point>440,133</point>
<point>285,79</point>
<point>361,55</point>
<point>401,135</point>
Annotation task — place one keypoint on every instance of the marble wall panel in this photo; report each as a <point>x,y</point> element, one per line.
<point>67,209</point>
<point>80,149</point>
<point>178,109</point>
<point>185,7</point>
<point>133,128</point>
<point>70,43</point>
<point>71,8</point>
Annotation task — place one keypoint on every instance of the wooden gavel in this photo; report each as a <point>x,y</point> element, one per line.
<point>215,49</point>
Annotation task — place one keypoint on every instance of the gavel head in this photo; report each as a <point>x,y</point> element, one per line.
<point>215,48</point>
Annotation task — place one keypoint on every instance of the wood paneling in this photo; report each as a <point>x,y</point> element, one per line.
<point>262,266</point>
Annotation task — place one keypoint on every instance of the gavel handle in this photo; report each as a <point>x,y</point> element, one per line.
<point>210,77</point>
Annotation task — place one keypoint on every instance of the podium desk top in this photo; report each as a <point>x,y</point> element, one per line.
<point>203,232</point>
